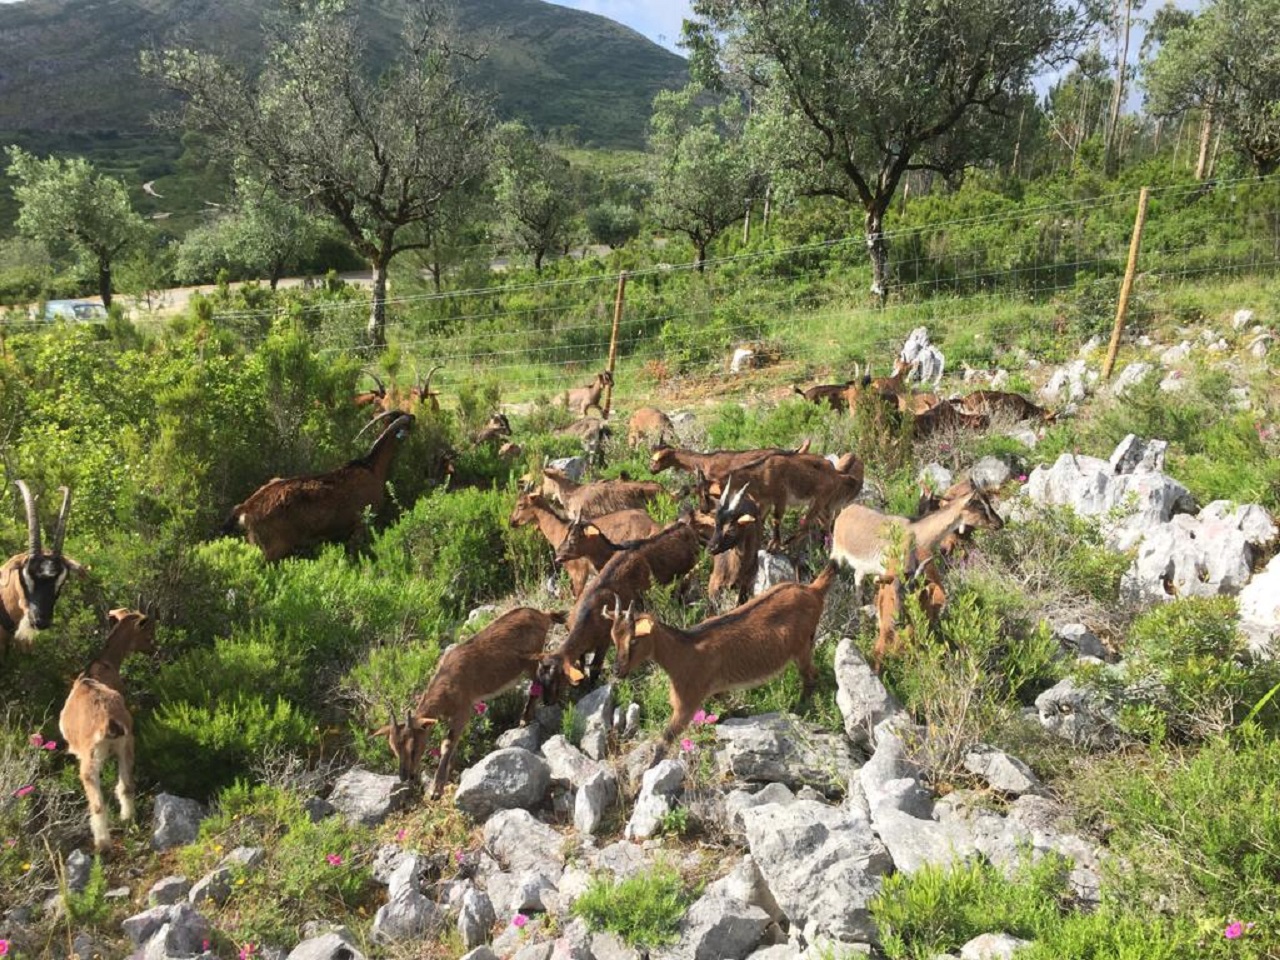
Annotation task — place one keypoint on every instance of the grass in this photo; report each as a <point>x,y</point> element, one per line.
<point>644,910</point>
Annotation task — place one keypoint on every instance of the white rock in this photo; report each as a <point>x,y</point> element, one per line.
<point>505,779</point>
<point>659,789</point>
<point>1176,355</point>
<point>1241,319</point>
<point>1001,772</point>
<point>771,570</point>
<point>861,696</point>
<point>743,359</point>
<point>1130,376</point>
<point>594,798</point>
<point>992,946</point>
<point>1260,611</point>
<point>774,748</point>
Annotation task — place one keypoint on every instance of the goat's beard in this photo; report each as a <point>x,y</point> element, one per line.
<point>25,634</point>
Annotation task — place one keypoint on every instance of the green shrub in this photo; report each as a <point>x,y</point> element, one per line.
<point>90,907</point>
<point>1054,551</point>
<point>644,910</point>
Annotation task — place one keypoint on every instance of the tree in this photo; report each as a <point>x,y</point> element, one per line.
<point>377,154</point>
<point>856,93</point>
<point>702,174</point>
<point>68,203</point>
<point>1226,61</point>
<point>612,224</point>
<point>533,192</point>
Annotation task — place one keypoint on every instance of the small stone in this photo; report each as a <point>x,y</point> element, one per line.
<point>594,798</point>
<point>1001,772</point>
<point>317,809</point>
<point>992,946</point>
<point>365,797</point>
<point>176,821</point>
<point>476,919</point>
<point>78,866</point>
<point>329,946</point>
<point>141,927</point>
<point>505,779</point>
<point>658,791</point>
<point>168,891</point>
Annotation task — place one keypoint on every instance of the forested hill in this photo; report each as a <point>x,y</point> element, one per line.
<point>70,67</point>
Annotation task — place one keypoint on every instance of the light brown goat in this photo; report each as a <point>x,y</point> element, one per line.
<point>471,672</point>
<point>650,425</point>
<point>97,725</point>
<point>737,650</point>
<point>662,559</point>
<point>30,582</point>
<point>890,599</point>
<point>286,515</point>
<point>832,394</point>
<point>991,403</point>
<point>592,500</point>
<point>497,428</point>
<point>596,541</point>
<point>717,465</point>
<point>582,399</point>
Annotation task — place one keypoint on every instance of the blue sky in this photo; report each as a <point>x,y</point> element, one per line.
<point>659,20</point>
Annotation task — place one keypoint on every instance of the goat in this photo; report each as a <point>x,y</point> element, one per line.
<point>650,424</point>
<point>498,428</point>
<point>992,402</point>
<point>737,650</point>
<point>376,397</point>
<point>471,672</point>
<point>582,399</point>
<point>596,541</point>
<point>916,403</point>
<point>832,394</point>
<point>661,559</point>
<point>780,482</point>
<point>422,393</point>
<point>97,725</point>
<point>592,432</point>
<point>717,465</point>
<point>285,515</point>
<point>30,582</point>
<point>861,538</point>
<point>889,600</point>
<point>944,415</point>
<point>735,544</point>
<point>921,358</point>
<point>591,500</point>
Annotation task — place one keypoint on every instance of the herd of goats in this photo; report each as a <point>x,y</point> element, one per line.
<point>612,551</point>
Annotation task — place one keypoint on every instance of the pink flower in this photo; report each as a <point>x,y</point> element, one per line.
<point>458,856</point>
<point>700,717</point>
<point>37,740</point>
<point>247,951</point>
<point>519,920</point>
<point>435,752</point>
<point>400,835</point>
<point>686,744</point>
<point>1234,931</point>
<point>712,717</point>
<point>480,709</point>
<point>22,792</point>
<point>334,859</point>
<point>535,689</point>
<point>204,945</point>
<point>4,948</point>
<point>51,745</point>
<point>1022,478</point>
<point>10,842</point>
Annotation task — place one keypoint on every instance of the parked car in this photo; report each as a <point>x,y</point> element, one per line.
<point>74,310</point>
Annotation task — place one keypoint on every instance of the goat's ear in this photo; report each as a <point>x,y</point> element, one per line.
<point>382,731</point>
<point>116,615</point>
<point>421,723</point>
<point>575,675</point>
<point>591,530</point>
<point>746,519</point>
<point>644,625</point>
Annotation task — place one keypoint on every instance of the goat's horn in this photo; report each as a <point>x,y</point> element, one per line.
<point>382,416</point>
<point>737,497</point>
<point>391,715</point>
<point>857,371</point>
<point>60,531</point>
<point>426,384</point>
<point>724,494</point>
<point>33,522</point>
<point>382,388</point>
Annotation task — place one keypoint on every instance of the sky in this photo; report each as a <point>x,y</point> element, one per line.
<point>659,20</point>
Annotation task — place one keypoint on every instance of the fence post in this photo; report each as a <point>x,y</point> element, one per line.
<point>613,341</point>
<point>1126,288</point>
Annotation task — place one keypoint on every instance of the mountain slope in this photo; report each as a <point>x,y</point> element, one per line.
<point>70,66</point>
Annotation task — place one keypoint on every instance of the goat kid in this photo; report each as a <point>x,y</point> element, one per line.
<point>96,723</point>
<point>582,399</point>
<point>591,500</point>
<point>286,515</point>
<point>471,672</point>
<point>31,582</point>
<point>497,428</point>
<point>737,650</point>
<point>650,425</point>
<point>717,465</point>
<point>890,600</point>
<point>596,541</point>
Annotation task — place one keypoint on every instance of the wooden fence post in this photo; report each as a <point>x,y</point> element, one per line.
<point>613,341</point>
<point>1122,308</point>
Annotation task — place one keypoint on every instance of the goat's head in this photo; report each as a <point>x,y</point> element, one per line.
<point>574,544</point>
<point>499,424</point>
<point>133,625</point>
<point>632,637</point>
<point>553,673</point>
<point>43,574</point>
<point>524,512</point>
<point>422,393</point>
<point>735,514</point>
<point>408,742</point>
<point>604,378</point>
<point>663,457</point>
<point>979,512</point>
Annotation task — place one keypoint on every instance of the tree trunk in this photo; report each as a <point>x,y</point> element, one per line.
<point>435,276</point>
<point>1110,158</point>
<point>377,329</point>
<point>1206,137</point>
<point>746,226</point>
<point>104,282</point>
<point>537,260</point>
<point>768,203</point>
<point>878,247</point>
<point>700,259</point>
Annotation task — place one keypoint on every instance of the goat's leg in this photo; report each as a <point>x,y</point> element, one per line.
<point>442,771</point>
<point>681,716</point>
<point>808,675</point>
<point>531,704</point>
<point>91,780</point>
<point>124,780</point>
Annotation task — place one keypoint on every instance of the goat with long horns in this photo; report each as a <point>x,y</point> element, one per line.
<point>30,582</point>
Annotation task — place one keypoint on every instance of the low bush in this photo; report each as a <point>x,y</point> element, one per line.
<point>644,910</point>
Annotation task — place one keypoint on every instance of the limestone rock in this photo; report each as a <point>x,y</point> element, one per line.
<point>717,928</point>
<point>660,787</point>
<point>773,748</point>
<point>364,797</point>
<point>476,919</point>
<point>329,946</point>
<point>594,798</point>
<point>505,779</point>
<point>176,821</point>
<point>1001,772</point>
<point>1260,611</point>
<point>992,946</point>
<point>1076,713</point>
<point>861,696</point>
<point>771,570</point>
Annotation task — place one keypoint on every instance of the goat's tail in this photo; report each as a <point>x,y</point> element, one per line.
<point>558,616</point>
<point>822,582</point>
<point>797,389</point>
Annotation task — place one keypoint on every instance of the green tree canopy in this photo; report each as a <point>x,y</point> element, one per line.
<point>378,154</point>
<point>853,94</point>
<point>534,193</point>
<point>68,204</point>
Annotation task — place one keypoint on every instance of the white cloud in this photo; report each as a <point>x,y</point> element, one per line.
<point>659,20</point>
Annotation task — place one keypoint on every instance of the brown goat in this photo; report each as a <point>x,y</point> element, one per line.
<point>596,541</point>
<point>582,399</point>
<point>592,500</point>
<point>780,482</point>
<point>717,465</point>
<point>30,582</point>
<point>832,394</point>
<point>735,544</point>
<point>944,416</point>
<point>650,425</point>
<point>889,601</point>
<point>97,725</point>
<point>991,403</point>
<point>471,672</point>
<point>661,559</point>
<point>497,428</point>
<point>286,515</point>
<point>737,650</point>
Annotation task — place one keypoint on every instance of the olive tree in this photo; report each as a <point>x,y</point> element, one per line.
<point>853,94</point>
<point>533,193</point>
<point>68,203</point>
<point>377,153</point>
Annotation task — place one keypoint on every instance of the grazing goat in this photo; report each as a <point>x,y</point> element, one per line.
<point>591,500</point>
<point>285,515</point>
<point>717,465</point>
<point>97,725</point>
<point>30,582</point>
<point>781,482</point>
<point>471,672</point>
<point>735,544</point>
<point>737,650</point>
<point>661,559</point>
<point>651,425</point>
<point>498,428</point>
<point>921,358</point>
<point>890,599</point>
<point>944,416</point>
<point>596,541</point>
<point>582,399</point>
<point>862,537</point>
<point>832,394</point>
<point>991,403</point>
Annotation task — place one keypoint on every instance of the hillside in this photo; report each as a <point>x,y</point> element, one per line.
<point>71,66</point>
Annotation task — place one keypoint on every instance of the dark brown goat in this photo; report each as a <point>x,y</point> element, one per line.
<point>737,650</point>
<point>781,482</point>
<point>832,394</point>
<point>717,465</point>
<point>490,663</point>
<point>596,541</point>
<point>992,403</point>
<point>286,515</point>
<point>591,500</point>
<point>30,582</point>
<point>498,428</point>
<point>735,544</point>
<point>944,416</point>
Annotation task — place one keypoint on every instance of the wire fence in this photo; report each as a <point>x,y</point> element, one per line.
<point>1042,276</point>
